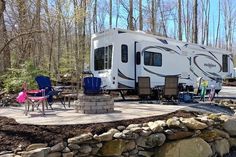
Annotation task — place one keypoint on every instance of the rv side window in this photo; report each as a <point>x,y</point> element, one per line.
<point>138,58</point>
<point>225,63</point>
<point>124,53</point>
<point>103,58</point>
<point>152,58</point>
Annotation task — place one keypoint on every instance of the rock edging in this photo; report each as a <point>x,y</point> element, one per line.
<point>202,136</point>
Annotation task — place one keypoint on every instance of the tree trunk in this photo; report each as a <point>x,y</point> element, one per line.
<point>179,20</point>
<point>140,15</point>
<point>25,45</point>
<point>37,37</point>
<point>218,25</point>
<point>77,69</point>
<point>195,29</point>
<point>131,25</point>
<point>49,35</point>
<point>117,12</point>
<point>59,51</point>
<point>207,22</point>
<point>110,12</point>
<point>95,28</point>
<point>153,19</point>
<point>5,58</point>
<point>83,46</point>
<point>188,22</point>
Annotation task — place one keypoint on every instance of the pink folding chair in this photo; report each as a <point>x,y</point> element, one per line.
<point>32,100</point>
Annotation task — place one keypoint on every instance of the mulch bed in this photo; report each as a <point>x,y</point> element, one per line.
<point>13,134</point>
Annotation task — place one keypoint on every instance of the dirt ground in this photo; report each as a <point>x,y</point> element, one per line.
<point>13,134</point>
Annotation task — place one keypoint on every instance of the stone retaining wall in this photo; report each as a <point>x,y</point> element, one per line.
<point>202,136</point>
<point>94,104</point>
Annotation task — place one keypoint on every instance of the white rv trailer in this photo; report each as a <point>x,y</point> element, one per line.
<point>119,57</point>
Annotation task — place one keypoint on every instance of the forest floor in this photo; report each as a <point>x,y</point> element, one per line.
<point>13,134</point>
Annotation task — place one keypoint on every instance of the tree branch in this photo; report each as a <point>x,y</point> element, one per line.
<point>17,36</point>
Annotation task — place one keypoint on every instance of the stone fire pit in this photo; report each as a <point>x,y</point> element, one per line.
<point>94,104</point>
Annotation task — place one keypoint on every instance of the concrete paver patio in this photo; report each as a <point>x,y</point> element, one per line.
<point>61,116</point>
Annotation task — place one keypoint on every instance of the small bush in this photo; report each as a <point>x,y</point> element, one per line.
<point>15,77</point>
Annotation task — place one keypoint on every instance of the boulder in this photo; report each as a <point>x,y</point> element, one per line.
<point>40,152</point>
<point>36,146</point>
<point>194,147</point>
<point>179,135</point>
<point>107,136</point>
<point>74,146</point>
<point>130,146</point>
<point>145,133</point>
<point>69,154</point>
<point>145,153</point>
<point>174,123</point>
<point>121,128</point>
<point>66,150</point>
<point>85,149</point>
<point>222,147</point>
<point>157,126</point>
<point>136,129</point>
<point>113,148</point>
<point>156,139</point>
<point>81,138</point>
<point>230,126</point>
<point>151,141</point>
<point>9,155</point>
<point>118,135</point>
<point>99,145</point>
<point>58,147</point>
<point>54,154</point>
<point>192,123</point>
<point>232,142</point>
<point>212,135</point>
<point>133,126</point>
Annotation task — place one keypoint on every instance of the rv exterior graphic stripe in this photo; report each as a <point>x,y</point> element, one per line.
<point>161,48</point>
<point>209,57</point>
<point>212,55</point>
<point>160,75</point>
<point>210,75</point>
<point>162,40</point>
<point>193,72</point>
<point>120,74</point>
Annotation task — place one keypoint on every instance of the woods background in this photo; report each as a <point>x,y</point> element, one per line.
<point>53,36</point>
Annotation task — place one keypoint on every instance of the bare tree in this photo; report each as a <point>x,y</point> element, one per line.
<point>218,25</point>
<point>25,43</point>
<point>195,25</point>
<point>59,33</point>
<point>131,25</point>
<point>154,16</point>
<point>117,11</point>
<point>140,15</point>
<point>5,61</point>
<point>37,37</point>
<point>95,28</point>
<point>179,20</point>
<point>205,21</point>
<point>110,13</point>
<point>76,42</point>
<point>188,22</point>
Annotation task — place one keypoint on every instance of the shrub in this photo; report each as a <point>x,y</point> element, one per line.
<point>15,77</point>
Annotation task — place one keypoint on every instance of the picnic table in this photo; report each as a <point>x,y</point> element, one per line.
<point>69,93</point>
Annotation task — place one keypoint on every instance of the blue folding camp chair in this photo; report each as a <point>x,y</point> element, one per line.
<point>92,85</point>
<point>44,82</point>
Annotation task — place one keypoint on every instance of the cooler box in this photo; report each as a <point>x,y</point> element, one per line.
<point>186,97</point>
